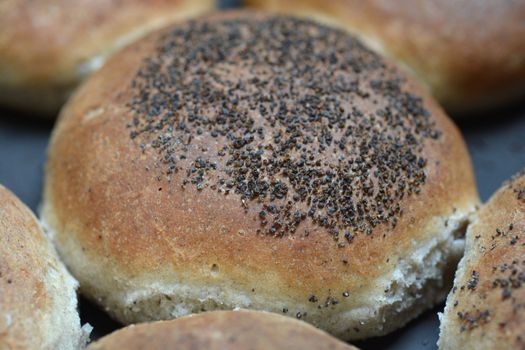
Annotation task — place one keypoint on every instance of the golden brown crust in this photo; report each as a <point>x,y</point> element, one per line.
<point>33,283</point>
<point>105,194</point>
<point>486,309</point>
<point>222,330</point>
<point>47,46</point>
<point>471,53</point>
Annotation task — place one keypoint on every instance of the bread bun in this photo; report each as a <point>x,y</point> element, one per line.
<point>38,301</point>
<point>47,46</point>
<point>486,308</point>
<point>470,53</point>
<point>270,163</point>
<point>221,330</point>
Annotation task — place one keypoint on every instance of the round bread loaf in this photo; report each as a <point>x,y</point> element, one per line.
<point>470,53</point>
<point>270,163</point>
<point>47,46</point>
<point>486,308</point>
<point>221,330</point>
<point>38,301</point>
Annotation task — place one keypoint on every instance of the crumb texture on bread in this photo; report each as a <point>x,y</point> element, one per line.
<point>486,308</point>
<point>266,162</point>
<point>38,302</point>
<point>419,281</point>
<point>235,330</point>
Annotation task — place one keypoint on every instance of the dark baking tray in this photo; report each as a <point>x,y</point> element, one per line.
<point>496,140</point>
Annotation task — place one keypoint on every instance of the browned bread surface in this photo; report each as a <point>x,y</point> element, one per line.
<point>486,308</point>
<point>48,46</point>
<point>245,160</point>
<point>37,295</point>
<point>235,330</point>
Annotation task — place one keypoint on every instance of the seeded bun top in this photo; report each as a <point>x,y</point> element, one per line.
<point>268,153</point>
<point>222,330</point>
<point>486,309</point>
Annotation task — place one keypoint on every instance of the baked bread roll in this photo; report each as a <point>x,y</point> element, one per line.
<point>260,162</point>
<point>221,330</point>
<point>47,46</point>
<point>486,307</point>
<point>38,301</point>
<point>470,53</point>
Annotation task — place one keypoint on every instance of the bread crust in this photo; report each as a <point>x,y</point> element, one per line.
<point>47,46</point>
<point>486,308</point>
<point>121,226</point>
<point>37,294</point>
<point>222,330</point>
<point>471,54</point>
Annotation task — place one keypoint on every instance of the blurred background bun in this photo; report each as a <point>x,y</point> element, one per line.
<point>470,53</point>
<point>234,330</point>
<point>48,46</point>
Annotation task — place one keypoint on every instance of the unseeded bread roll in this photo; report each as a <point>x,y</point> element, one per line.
<point>270,163</point>
<point>234,330</point>
<point>38,301</point>
<point>486,308</point>
<point>470,53</point>
<point>47,46</point>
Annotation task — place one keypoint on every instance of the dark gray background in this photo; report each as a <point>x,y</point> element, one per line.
<point>496,141</point>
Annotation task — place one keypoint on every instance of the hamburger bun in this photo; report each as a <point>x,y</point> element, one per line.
<point>234,330</point>
<point>48,46</point>
<point>38,301</point>
<point>470,53</point>
<point>245,160</point>
<point>486,308</point>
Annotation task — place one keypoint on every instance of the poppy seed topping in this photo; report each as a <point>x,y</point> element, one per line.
<point>288,114</point>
